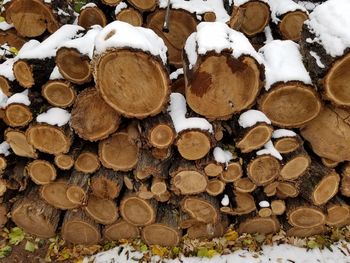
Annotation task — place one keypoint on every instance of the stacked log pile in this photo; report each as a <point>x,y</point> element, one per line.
<point>100,142</point>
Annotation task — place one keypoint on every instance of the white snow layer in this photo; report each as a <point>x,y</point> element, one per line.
<point>121,34</point>
<point>283,62</point>
<point>222,156</point>
<point>177,111</point>
<point>174,75</point>
<point>268,34</point>
<point>216,36</point>
<point>21,98</point>
<point>271,150</point>
<point>55,74</point>
<point>308,5</point>
<point>225,201</point>
<point>4,148</point>
<point>318,59</point>
<point>5,26</point>
<point>281,253</point>
<point>264,203</point>
<point>280,133</point>
<point>120,7</point>
<point>88,5</point>
<point>251,117</point>
<point>199,7</point>
<point>6,69</point>
<point>242,2</point>
<point>54,116</point>
<point>280,7</point>
<point>330,23</point>
<point>49,46</point>
<point>85,44</point>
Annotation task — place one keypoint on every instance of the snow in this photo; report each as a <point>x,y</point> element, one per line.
<point>308,5</point>
<point>3,99</point>
<point>62,12</point>
<point>318,59</point>
<point>280,7</point>
<point>49,46</point>
<point>5,26</point>
<point>4,148</point>
<point>199,7</point>
<point>268,35</point>
<point>330,23</point>
<point>54,116</point>
<point>85,44</point>
<point>177,111</point>
<point>48,1</point>
<point>6,69</point>
<point>242,2</point>
<point>251,117</point>
<point>21,98</point>
<point>120,7</point>
<point>6,1</point>
<point>225,201</point>
<point>280,133</point>
<point>264,203</point>
<point>271,150</point>
<point>281,253</point>
<point>222,156</point>
<point>216,36</point>
<point>283,63</point>
<point>174,75</point>
<point>121,34</point>
<point>55,74</point>
<point>88,5</point>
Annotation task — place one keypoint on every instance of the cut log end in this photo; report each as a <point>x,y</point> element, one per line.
<point>5,86</point>
<point>305,232</point>
<point>244,185</point>
<point>23,73</point>
<point>18,115</point>
<point>338,215</point>
<point>200,209</point>
<point>121,230</point>
<point>144,5</point>
<point>287,144</point>
<point>59,93</point>
<point>19,144</point>
<point>215,187</point>
<point>256,17</point>
<point>122,90</point>
<point>326,189</point>
<point>76,195</point>
<point>92,16</point>
<point>291,105</point>
<point>64,161</point>
<point>106,184</point>
<point>255,138</point>
<point>137,211</point>
<point>189,182</point>
<point>232,172</point>
<point>285,189</point>
<point>103,211</point>
<point>265,212</point>
<point>193,145</point>
<point>111,2</point>
<point>306,217</point>
<point>131,16</point>
<point>262,225</point>
<point>329,163</point>
<point>213,169</point>
<point>87,162</point>
<point>278,207</point>
<point>161,136</point>
<point>291,25</point>
<point>263,169</point>
<point>41,172</point>
<point>160,234</point>
<point>336,82</point>
<point>295,167</point>
<point>3,164</point>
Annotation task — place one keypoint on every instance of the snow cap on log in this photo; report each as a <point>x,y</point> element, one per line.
<point>222,156</point>
<point>199,7</point>
<point>4,148</point>
<point>5,26</point>
<point>330,24</point>
<point>21,98</point>
<point>215,36</point>
<point>280,133</point>
<point>6,69</point>
<point>120,34</point>
<point>120,7</point>
<point>275,54</point>
<point>281,7</point>
<point>55,74</point>
<point>54,116</point>
<point>271,150</point>
<point>252,117</point>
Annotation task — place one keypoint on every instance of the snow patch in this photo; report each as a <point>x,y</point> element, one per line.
<point>330,23</point>
<point>242,2</point>
<point>264,204</point>
<point>225,201</point>
<point>271,150</point>
<point>222,156</point>
<point>121,34</point>
<point>251,117</point>
<point>318,59</point>
<point>283,62</point>
<point>174,75</point>
<point>4,148</point>
<point>177,111</point>
<point>62,12</point>
<point>280,133</point>
<point>89,5</point>
<point>120,7</point>
<point>54,116</point>
<point>55,74</point>
<point>268,35</point>
<point>5,26</point>
<point>6,69</point>
<point>281,7</point>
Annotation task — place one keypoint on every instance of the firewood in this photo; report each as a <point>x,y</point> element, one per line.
<point>19,144</point>
<point>338,213</point>
<point>138,211</point>
<point>251,17</point>
<point>78,228</point>
<point>3,214</point>
<point>345,181</point>
<point>287,96</point>
<point>263,169</point>
<point>41,171</point>
<point>302,232</point>
<point>130,16</point>
<point>329,163</point>
<point>232,172</point>
<point>262,225</point>
<point>11,37</point>
<point>215,187</point>
<point>64,161</point>
<point>144,5</point>
<point>77,191</point>
<point>87,161</point>
<point>319,184</point>
<point>244,185</point>
<point>159,186</point>
<point>91,15</point>
<point>17,115</point>
<point>164,197</point>
<point>59,93</point>
<point>106,183</point>
<point>208,231</point>
<point>295,164</point>
<point>121,230</point>
<point>187,178</point>
<point>103,211</point>
<point>164,231</point>
<point>286,189</point>
<point>278,207</point>
<point>3,164</point>
<point>149,69</point>
<point>193,144</point>
<point>286,141</point>
<point>55,194</point>
<point>185,220</point>
<point>205,75</point>
<point>35,216</point>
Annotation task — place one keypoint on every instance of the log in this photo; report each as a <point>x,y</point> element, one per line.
<point>244,185</point>
<point>35,216</point>
<point>103,211</point>
<point>11,37</point>
<point>138,211</point>
<point>78,186</point>
<point>181,24</point>
<point>319,184</point>
<point>262,225</point>
<point>287,96</point>
<point>17,115</point>
<point>86,116</point>
<point>215,187</point>
<point>91,15</point>
<point>193,144</point>
<point>278,207</point>
<point>207,231</point>
<point>19,144</point>
<point>165,231</point>
<point>130,16</point>
<point>263,169</point>
<point>143,5</point>
<point>59,93</point>
<point>338,213</point>
<point>159,186</point>
<point>295,164</point>
<point>329,163</point>
<point>345,181</point>
<point>302,232</point>
<point>78,228</point>
<point>41,171</point>
<point>49,139</point>
<point>87,161</point>
<point>121,230</point>
<point>122,89</point>
<point>187,178</point>
<point>64,161</point>
<point>55,194</point>
<point>106,183</point>
<point>286,189</point>
<point>329,134</point>
<point>232,172</point>
<point>3,215</point>
<point>286,141</point>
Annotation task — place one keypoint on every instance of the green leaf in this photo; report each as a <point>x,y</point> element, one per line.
<point>5,251</point>
<point>312,244</point>
<point>2,19</point>
<point>30,246</point>
<point>202,252</point>
<point>143,248</point>
<point>16,236</point>
<point>78,4</point>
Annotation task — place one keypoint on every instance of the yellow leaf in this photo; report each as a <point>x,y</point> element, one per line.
<point>159,251</point>
<point>231,235</point>
<point>211,253</point>
<point>2,19</point>
<point>14,50</point>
